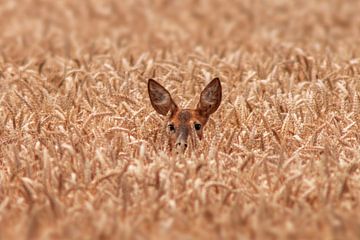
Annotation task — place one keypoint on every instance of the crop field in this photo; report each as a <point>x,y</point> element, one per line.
<point>83,154</point>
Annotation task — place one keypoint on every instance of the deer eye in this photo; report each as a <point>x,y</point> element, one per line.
<point>171,127</point>
<point>197,126</point>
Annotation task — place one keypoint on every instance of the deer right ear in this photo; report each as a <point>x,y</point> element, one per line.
<point>160,98</point>
<point>210,98</point>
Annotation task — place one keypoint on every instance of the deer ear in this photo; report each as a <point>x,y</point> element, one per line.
<point>210,98</point>
<point>160,98</point>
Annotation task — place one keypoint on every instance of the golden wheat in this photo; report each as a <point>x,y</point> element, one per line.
<point>84,156</point>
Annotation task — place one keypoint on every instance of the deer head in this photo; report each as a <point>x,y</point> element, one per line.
<point>185,122</point>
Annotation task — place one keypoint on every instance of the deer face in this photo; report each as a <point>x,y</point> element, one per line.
<point>183,123</point>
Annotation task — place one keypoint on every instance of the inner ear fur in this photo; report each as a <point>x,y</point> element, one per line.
<point>160,98</point>
<point>210,98</point>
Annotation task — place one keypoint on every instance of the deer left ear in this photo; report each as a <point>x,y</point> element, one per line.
<point>210,98</point>
<point>160,98</point>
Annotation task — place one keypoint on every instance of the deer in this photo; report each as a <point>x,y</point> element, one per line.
<point>182,123</point>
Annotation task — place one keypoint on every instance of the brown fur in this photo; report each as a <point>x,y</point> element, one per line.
<point>181,123</point>
<point>184,120</point>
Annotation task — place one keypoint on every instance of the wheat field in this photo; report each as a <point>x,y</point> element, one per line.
<point>84,155</point>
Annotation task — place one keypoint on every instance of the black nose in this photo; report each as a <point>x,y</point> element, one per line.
<point>179,144</point>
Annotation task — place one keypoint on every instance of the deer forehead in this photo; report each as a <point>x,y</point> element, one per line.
<point>185,116</point>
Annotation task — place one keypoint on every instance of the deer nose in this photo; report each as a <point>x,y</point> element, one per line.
<point>181,144</point>
<point>181,140</point>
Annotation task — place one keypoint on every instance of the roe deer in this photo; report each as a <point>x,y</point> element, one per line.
<point>182,122</point>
